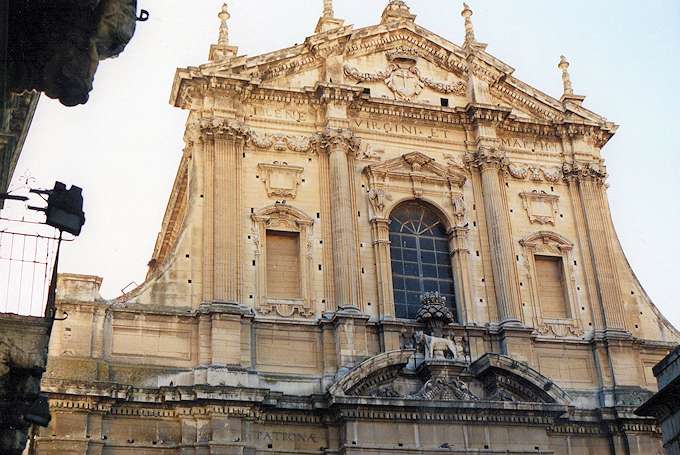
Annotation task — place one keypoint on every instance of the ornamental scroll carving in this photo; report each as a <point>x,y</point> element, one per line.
<point>403,78</point>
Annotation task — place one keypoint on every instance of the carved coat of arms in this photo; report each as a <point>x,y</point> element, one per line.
<point>403,78</point>
<point>405,82</point>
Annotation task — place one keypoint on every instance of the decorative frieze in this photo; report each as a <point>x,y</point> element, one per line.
<point>521,171</point>
<point>282,142</point>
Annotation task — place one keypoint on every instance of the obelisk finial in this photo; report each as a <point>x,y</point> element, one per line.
<point>469,29</point>
<point>328,8</point>
<point>566,80</point>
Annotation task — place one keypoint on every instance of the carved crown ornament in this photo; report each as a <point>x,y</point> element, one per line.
<point>403,77</point>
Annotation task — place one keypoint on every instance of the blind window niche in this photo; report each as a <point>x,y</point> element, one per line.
<point>550,277</point>
<point>283,265</point>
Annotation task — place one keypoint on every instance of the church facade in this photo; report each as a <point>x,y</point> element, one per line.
<point>378,241</point>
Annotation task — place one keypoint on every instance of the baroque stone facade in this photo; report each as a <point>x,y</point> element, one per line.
<point>326,188</point>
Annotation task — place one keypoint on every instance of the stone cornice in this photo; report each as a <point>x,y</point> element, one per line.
<point>173,218</point>
<point>195,86</point>
<point>487,113</point>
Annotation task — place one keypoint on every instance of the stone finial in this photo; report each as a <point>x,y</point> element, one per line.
<point>222,50</point>
<point>566,80</point>
<point>224,16</point>
<point>327,21</point>
<point>397,10</point>
<point>434,312</point>
<point>469,29</point>
<point>328,8</point>
<point>568,93</point>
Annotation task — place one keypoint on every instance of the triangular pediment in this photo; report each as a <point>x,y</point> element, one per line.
<point>399,61</point>
<point>416,164</point>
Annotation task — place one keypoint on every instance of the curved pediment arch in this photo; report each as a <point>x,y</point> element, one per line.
<point>509,380</point>
<point>282,213</point>
<point>547,237</point>
<point>372,371</point>
<point>405,375</point>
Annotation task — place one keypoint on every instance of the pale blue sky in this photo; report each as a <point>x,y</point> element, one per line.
<point>124,145</point>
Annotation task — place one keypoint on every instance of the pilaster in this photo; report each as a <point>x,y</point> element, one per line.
<point>222,220</point>
<point>489,162</point>
<point>338,143</point>
<point>589,179</point>
<point>460,261</point>
<point>381,249</point>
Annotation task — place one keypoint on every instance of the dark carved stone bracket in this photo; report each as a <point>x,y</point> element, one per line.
<point>55,46</point>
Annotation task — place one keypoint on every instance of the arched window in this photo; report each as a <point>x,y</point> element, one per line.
<point>419,248</point>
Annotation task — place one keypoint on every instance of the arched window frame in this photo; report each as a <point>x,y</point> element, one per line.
<point>418,176</point>
<point>422,224</point>
<point>282,217</point>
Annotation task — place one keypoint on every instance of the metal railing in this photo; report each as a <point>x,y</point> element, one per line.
<point>27,254</point>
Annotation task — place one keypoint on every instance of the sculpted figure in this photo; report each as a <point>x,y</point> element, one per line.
<point>436,347</point>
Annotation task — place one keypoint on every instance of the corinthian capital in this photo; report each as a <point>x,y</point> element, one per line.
<point>487,157</point>
<point>217,127</point>
<point>339,139</point>
<point>580,170</point>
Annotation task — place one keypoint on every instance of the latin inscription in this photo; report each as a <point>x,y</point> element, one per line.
<point>280,113</point>
<point>528,144</point>
<point>271,436</point>
<point>400,128</point>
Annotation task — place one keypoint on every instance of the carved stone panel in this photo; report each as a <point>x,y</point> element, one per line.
<point>541,207</point>
<point>281,179</point>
